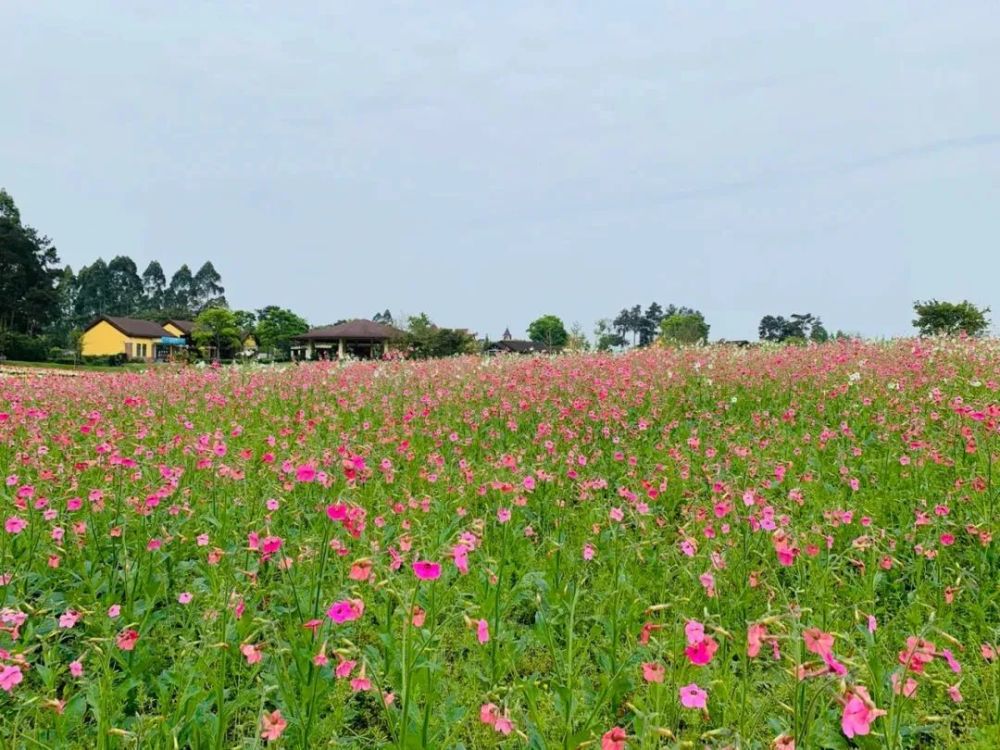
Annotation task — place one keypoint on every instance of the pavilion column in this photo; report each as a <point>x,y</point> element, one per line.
<point>340,349</point>
<point>309,350</point>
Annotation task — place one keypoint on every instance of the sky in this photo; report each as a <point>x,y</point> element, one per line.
<point>488,163</point>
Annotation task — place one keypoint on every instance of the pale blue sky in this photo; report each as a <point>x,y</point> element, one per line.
<point>491,162</point>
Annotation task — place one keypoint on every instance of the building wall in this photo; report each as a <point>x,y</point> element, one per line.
<point>104,340</point>
<point>174,330</point>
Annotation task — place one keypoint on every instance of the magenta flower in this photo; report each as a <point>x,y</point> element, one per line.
<point>346,610</point>
<point>426,570</point>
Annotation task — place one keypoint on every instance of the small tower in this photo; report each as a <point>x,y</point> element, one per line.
<point>506,334</point>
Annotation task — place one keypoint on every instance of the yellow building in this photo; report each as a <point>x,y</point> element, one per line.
<point>136,339</point>
<point>180,328</point>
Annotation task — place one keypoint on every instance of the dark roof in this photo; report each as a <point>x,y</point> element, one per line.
<point>186,326</point>
<point>517,346</point>
<point>352,329</point>
<point>144,329</point>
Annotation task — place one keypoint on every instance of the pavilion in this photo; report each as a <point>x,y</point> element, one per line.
<point>363,339</point>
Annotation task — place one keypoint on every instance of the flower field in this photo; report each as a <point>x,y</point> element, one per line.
<point>787,547</point>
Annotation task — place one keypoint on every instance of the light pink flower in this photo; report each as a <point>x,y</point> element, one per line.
<point>693,696</point>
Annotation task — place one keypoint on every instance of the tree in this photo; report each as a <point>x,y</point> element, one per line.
<point>577,341</point>
<point>684,328</point>
<point>606,336</point>
<point>649,324</point>
<point>799,326</point>
<point>207,289</point>
<point>936,318</point>
<point>154,285</point>
<point>276,327</point>
<point>385,318</point>
<point>125,288</point>
<point>246,321</point>
<point>423,339</point>
<point>28,273</point>
<point>216,325</point>
<point>180,293</point>
<point>548,330</point>
<point>94,295</point>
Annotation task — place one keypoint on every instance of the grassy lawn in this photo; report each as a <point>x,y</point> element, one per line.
<point>18,365</point>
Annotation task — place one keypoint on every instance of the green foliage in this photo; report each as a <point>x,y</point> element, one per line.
<point>936,318</point>
<point>684,328</point>
<point>798,326</point>
<point>423,339</point>
<point>217,327</point>
<point>548,330</point>
<point>29,300</point>
<point>21,346</point>
<point>276,327</point>
<point>607,338</point>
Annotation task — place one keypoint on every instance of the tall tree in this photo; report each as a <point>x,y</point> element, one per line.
<point>548,330</point>
<point>125,286</point>
<point>154,285</point>
<point>607,337</point>
<point>950,318</point>
<point>385,318</point>
<point>649,325</point>
<point>180,293</point>
<point>28,273</point>
<point>206,288</point>
<point>94,295</point>
<point>577,340</point>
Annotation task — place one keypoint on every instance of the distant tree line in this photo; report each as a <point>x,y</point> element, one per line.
<point>44,307</point>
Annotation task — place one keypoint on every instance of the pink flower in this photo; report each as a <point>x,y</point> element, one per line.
<point>701,653</point>
<point>817,641</point>
<point>859,713</point>
<point>76,669</point>
<point>460,555</point>
<point>337,512</point>
<point>426,570</point>
<point>305,474</point>
<point>345,610</point>
<point>694,631</point>
<point>9,677</point>
<point>272,725</point>
<point>361,684</point>
<point>185,597</point>
<point>68,619</point>
<point>127,639</point>
<point>653,671</point>
<point>488,713</point>
<point>15,525</point>
<point>756,634</point>
<point>344,668</point>
<point>503,515</point>
<point>614,739</point>
<point>588,552</point>
<point>114,610</point>
<point>503,725</point>
<point>952,662</point>
<point>483,631</point>
<point>616,514</point>
<point>693,696</point>
<point>954,694</point>
<point>251,652</point>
